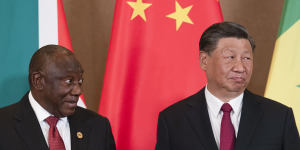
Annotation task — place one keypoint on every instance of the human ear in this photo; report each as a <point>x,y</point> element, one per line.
<point>203,58</point>
<point>37,80</point>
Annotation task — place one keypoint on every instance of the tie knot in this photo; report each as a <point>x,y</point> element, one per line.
<point>226,107</point>
<point>52,121</point>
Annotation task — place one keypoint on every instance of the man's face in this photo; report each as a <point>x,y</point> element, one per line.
<point>229,67</point>
<point>62,85</point>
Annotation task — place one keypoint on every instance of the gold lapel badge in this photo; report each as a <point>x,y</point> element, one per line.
<point>79,135</point>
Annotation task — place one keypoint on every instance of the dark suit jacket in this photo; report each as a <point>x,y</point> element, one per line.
<point>20,130</point>
<point>264,125</point>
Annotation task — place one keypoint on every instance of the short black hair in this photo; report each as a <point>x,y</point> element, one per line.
<point>43,55</point>
<point>211,36</point>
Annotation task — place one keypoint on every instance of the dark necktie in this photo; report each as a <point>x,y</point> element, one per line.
<point>54,140</point>
<point>227,136</point>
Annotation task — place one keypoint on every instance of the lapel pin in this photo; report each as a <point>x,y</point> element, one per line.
<point>79,135</point>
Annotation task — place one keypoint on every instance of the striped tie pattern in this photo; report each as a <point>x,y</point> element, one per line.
<point>54,139</point>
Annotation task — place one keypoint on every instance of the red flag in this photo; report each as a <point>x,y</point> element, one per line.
<point>63,31</point>
<point>64,38</point>
<point>152,63</point>
<point>53,28</point>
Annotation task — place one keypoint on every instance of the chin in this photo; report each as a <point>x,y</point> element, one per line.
<point>66,114</point>
<point>238,89</point>
<point>239,85</point>
<point>68,111</point>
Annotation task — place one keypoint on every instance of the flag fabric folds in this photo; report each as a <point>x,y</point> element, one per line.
<point>152,63</point>
<point>284,77</point>
<point>26,26</point>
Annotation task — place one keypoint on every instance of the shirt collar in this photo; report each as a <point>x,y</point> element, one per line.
<point>39,111</point>
<point>215,104</point>
<point>236,103</point>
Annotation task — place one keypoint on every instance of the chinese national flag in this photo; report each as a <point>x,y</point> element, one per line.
<point>152,63</point>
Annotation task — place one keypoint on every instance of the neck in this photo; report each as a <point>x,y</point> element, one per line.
<point>39,98</point>
<point>224,95</point>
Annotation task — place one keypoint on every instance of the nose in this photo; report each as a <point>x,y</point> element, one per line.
<point>239,66</point>
<point>76,90</point>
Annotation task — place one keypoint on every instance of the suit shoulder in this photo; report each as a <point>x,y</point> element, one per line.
<point>176,107</point>
<point>183,105</point>
<point>9,111</point>
<point>88,115</point>
<point>8,117</point>
<point>269,104</point>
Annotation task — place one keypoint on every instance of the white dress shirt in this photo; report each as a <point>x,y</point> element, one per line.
<point>62,124</point>
<point>215,113</point>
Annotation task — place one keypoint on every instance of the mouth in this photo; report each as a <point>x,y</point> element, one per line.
<point>71,103</point>
<point>238,79</point>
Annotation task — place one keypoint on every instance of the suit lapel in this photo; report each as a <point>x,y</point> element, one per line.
<point>251,115</point>
<point>28,127</point>
<point>78,132</point>
<point>199,120</point>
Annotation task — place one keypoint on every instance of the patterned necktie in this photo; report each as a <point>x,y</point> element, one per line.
<point>227,136</point>
<point>54,140</point>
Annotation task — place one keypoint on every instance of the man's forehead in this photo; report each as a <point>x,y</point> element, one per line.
<point>63,63</point>
<point>230,43</point>
<point>230,50</point>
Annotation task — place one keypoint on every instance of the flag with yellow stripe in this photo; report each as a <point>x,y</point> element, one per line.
<point>284,77</point>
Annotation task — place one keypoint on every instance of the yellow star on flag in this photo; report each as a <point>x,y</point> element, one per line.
<point>139,9</point>
<point>181,15</point>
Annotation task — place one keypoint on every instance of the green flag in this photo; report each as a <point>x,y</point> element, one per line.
<point>18,41</point>
<point>284,77</point>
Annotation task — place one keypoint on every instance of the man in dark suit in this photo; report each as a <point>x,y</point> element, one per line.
<point>224,115</point>
<point>47,117</point>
